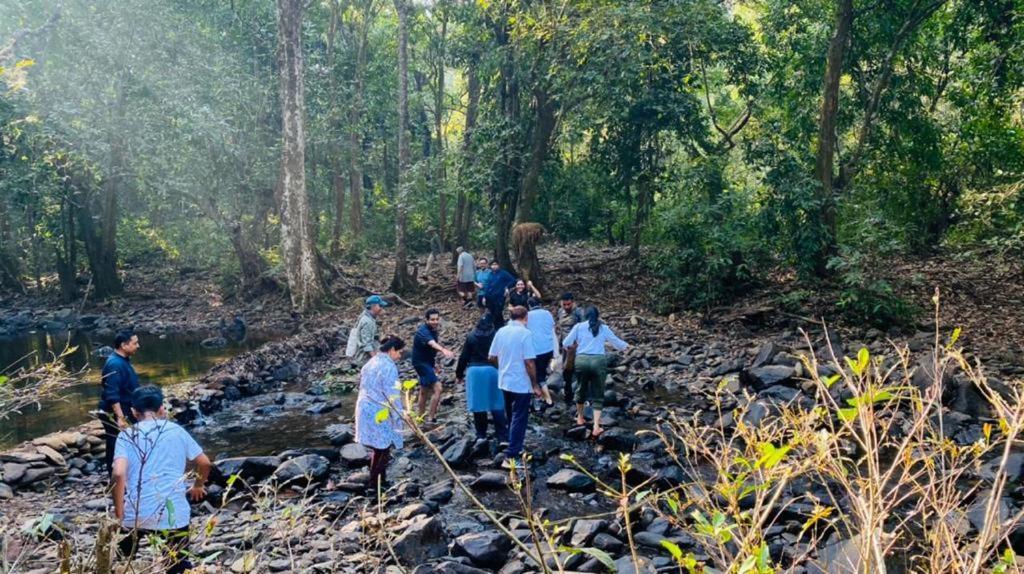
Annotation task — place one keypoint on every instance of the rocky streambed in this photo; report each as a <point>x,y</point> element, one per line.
<point>280,419</point>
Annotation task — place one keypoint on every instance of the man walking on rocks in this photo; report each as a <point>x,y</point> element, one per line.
<point>150,488</point>
<point>569,313</point>
<point>363,339</point>
<point>465,277</point>
<point>512,351</point>
<point>425,348</point>
<point>119,382</point>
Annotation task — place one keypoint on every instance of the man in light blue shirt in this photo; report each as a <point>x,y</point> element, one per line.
<point>512,351</point>
<point>150,488</point>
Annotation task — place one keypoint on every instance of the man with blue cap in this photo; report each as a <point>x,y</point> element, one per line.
<point>363,339</point>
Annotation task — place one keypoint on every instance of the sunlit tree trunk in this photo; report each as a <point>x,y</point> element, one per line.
<point>401,281</point>
<point>297,248</point>
<point>462,206</point>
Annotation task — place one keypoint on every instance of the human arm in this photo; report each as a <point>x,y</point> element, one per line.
<point>367,340</point>
<point>531,371</point>
<point>613,339</point>
<point>570,339</point>
<point>463,363</point>
<point>533,289</point>
<point>119,475</point>
<point>114,379</point>
<point>198,490</point>
<point>433,344</point>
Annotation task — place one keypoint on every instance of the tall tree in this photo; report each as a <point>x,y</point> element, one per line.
<point>401,281</point>
<point>302,267</point>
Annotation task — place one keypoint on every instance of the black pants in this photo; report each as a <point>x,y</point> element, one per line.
<point>110,432</point>
<point>567,376</point>
<point>174,546</point>
<point>497,311</point>
<point>379,458</point>
<point>543,361</point>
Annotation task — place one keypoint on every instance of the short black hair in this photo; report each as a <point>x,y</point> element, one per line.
<point>430,312</point>
<point>123,337</point>
<point>147,399</point>
<point>517,312</point>
<point>567,296</point>
<point>533,303</point>
<point>391,343</point>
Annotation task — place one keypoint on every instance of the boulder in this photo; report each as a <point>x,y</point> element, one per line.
<point>13,472</point>
<point>618,439</point>
<point>458,453</point>
<point>624,565</point>
<point>324,407</point>
<point>249,468</point>
<point>52,455</point>
<point>422,538</point>
<point>286,372</point>
<point>340,434</point>
<point>439,493</point>
<point>764,354</point>
<point>6,492</point>
<point>37,474</point>
<point>485,549</point>
<point>571,480</point>
<point>355,455</point>
<point>763,377</point>
<point>304,469</point>
<point>490,481</point>
<point>584,531</point>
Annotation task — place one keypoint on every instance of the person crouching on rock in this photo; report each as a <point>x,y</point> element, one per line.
<point>379,409</point>
<point>150,488</point>
<point>481,377</point>
<point>590,338</point>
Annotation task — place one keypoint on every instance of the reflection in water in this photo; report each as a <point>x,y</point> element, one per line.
<point>163,360</point>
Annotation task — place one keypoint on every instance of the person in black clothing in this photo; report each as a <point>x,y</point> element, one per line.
<point>119,382</point>
<point>522,293</point>
<point>496,292</point>
<point>481,378</point>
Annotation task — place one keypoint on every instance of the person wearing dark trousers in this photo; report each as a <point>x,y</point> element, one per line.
<point>512,352</point>
<point>483,396</point>
<point>569,313</point>
<point>495,293</point>
<point>151,493</point>
<point>379,410</point>
<point>119,381</point>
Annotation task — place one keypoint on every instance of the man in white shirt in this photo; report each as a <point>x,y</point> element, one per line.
<point>150,487</point>
<point>512,352</point>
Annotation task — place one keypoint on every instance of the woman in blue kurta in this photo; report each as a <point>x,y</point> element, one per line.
<point>380,390</point>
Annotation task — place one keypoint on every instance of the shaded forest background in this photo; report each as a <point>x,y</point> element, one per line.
<point>722,141</point>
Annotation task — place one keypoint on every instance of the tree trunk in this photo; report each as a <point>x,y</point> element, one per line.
<point>339,210</point>
<point>9,269</point>
<point>827,133</point>
<point>543,131</point>
<point>401,282</point>
<point>66,251</point>
<point>462,206</point>
<point>355,138</point>
<point>441,176</point>
<point>506,184</point>
<point>298,251</point>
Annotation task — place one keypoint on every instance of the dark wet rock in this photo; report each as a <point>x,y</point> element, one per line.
<point>728,367</point>
<point>481,449</point>
<point>976,512</point>
<point>457,454</point>
<point>248,468</point>
<point>624,565</point>
<point>266,410</point>
<point>287,371</point>
<point>608,543</point>
<point>340,434</point>
<point>490,481</point>
<point>578,433</point>
<point>422,538</point>
<point>764,354</point>
<point>584,531</point>
<point>756,412</point>
<point>649,539</point>
<point>779,394</point>
<point>571,480</point>
<point>355,455</point>
<point>448,567</point>
<point>305,469</point>
<point>763,377</point>
<point>486,549</point>
<point>1014,468</point>
<point>439,493</point>
<point>213,343</point>
<point>618,439</point>
<point>324,407</point>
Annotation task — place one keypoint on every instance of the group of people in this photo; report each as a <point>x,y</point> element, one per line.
<point>505,364</point>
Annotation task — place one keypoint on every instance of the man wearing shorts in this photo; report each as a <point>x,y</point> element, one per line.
<point>465,277</point>
<point>425,347</point>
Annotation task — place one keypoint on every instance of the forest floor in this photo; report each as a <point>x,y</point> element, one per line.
<point>674,366</point>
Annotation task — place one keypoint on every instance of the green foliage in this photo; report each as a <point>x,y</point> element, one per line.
<point>866,299</point>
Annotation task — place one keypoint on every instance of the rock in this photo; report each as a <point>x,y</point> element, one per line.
<point>608,543</point>
<point>439,493</point>
<point>976,512</point>
<point>248,468</point>
<point>6,492</point>
<point>578,433</point>
<point>649,539</point>
<point>841,557</point>
<point>214,343</point>
<point>584,531</point>
<point>486,549</point>
<point>763,377</point>
<point>244,564</point>
<point>355,455</point>
<point>340,434</point>
<point>52,455</point>
<point>490,481</point>
<point>286,372</point>
<point>13,472</point>
<point>571,480</point>
<point>458,453</point>
<point>98,504</point>
<point>764,354</point>
<point>37,474</point>
<point>618,439</point>
<point>624,565</point>
<point>304,469</point>
<point>728,367</point>
<point>410,510</point>
<point>324,407</point>
<point>422,538</point>
<point>21,457</point>
<point>103,352</point>
<point>448,567</point>
<point>779,393</point>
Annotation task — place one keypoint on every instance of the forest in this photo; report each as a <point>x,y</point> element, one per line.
<point>802,222</point>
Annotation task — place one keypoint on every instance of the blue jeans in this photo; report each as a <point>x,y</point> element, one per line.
<point>517,409</point>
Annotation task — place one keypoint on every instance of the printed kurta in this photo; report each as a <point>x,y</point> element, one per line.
<point>379,389</point>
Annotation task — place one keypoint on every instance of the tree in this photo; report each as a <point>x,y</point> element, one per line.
<point>401,281</point>
<point>298,251</point>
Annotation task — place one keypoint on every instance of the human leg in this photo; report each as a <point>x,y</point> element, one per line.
<point>379,458</point>
<point>500,425</point>
<point>480,424</point>
<point>435,400</point>
<point>518,424</point>
<point>110,432</point>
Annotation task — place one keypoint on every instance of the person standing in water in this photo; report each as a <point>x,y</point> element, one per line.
<point>590,338</point>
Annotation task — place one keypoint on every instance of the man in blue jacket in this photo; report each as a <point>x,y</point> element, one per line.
<point>119,382</point>
<point>496,291</point>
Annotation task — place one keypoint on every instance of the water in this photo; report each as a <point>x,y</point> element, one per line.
<point>165,360</point>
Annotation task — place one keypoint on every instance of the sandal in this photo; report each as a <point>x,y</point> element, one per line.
<point>595,436</point>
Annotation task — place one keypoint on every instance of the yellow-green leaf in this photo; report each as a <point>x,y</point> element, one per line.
<point>848,414</point>
<point>673,549</point>
<point>409,385</point>
<point>954,337</point>
<point>382,415</point>
<point>832,379</point>
<point>26,63</point>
